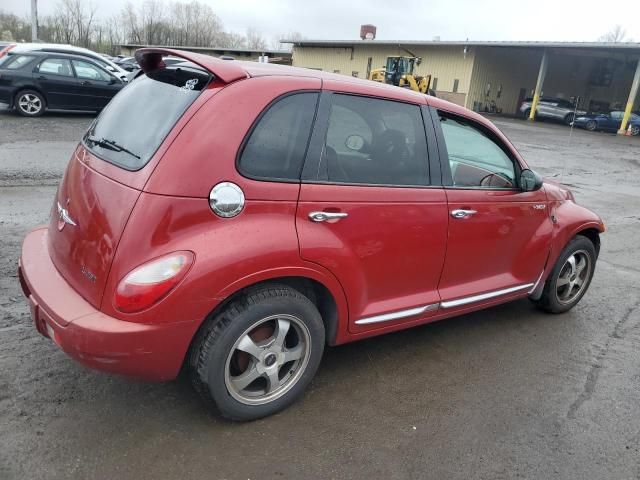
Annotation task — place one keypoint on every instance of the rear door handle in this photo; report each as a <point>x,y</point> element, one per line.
<point>324,216</point>
<point>462,213</point>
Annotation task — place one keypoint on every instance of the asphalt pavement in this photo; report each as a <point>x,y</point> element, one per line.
<point>508,392</point>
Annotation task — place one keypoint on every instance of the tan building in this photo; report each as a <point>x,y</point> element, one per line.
<point>486,75</point>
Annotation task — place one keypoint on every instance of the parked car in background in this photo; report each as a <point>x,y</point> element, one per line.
<point>608,122</point>
<point>234,217</point>
<point>128,64</point>
<point>553,109</point>
<point>34,81</point>
<point>61,48</point>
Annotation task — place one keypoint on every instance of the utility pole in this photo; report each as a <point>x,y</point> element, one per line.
<point>34,20</point>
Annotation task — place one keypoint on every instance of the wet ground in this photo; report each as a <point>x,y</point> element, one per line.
<point>505,393</point>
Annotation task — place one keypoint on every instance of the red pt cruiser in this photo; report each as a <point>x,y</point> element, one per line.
<point>236,217</point>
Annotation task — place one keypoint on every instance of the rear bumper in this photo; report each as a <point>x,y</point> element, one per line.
<point>151,352</point>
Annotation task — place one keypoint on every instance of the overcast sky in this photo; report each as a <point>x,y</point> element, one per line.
<point>559,20</point>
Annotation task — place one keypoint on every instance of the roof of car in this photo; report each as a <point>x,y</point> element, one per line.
<point>45,53</point>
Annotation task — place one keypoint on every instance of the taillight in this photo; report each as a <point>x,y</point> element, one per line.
<point>151,281</point>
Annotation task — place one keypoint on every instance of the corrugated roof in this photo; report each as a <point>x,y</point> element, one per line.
<point>218,49</point>
<point>446,43</point>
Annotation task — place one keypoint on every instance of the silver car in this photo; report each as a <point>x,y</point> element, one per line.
<point>552,108</point>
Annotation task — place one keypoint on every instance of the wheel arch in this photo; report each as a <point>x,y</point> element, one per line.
<point>322,289</point>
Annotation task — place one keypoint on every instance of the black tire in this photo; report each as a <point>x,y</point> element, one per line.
<point>591,125</point>
<point>526,114</point>
<point>217,343</point>
<point>550,301</point>
<point>30,103</point>
<point>568,119</point>
<point>635,130</point>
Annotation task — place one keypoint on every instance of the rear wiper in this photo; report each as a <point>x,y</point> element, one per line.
<point>110,145</point>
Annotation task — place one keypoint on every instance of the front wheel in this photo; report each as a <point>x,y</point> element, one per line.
<point>635,130</point>
<point>591,125</point>
<point>568,120</point>
<point>258,356</point>
<point>570,277</point>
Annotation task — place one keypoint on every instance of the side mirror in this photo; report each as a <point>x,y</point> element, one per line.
<point>530,181</point>
<point>113,81</point>
<point>110,68</point>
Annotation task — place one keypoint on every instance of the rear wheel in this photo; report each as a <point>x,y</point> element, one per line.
<point>570,277</point>
<point>568,119</point>
<point>30,103</point>
<point>526,113</point>
<point>258,356</point>
<point>591,125</point>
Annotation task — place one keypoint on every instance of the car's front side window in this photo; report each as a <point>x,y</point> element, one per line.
<point>87,71</point>
<point>475,159</point>
<point>374,142</point>
<point>56,66</point>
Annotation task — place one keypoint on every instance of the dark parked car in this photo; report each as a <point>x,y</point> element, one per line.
<point>127,63</point>
<point>608,122</point>
<point>35,81</point>
<point>234,217</point>
<point>551,108</point>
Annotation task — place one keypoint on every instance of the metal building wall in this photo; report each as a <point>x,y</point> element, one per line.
<point>444,63</point>
<point>512,68</point>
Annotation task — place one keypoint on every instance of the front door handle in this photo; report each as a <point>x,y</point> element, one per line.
<point>462,213</point>
<point>85,83</point>
<point>324,216</point>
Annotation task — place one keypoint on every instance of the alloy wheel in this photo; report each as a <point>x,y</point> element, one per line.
<point>635,130</point>
<point>30,103</point>
<point>573,277</point>
<point>268,359</point>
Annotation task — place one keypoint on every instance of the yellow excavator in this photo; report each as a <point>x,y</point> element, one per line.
<point>399,72</point>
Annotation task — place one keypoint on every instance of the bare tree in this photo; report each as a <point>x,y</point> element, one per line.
<point>255,40</point>
<point>276,44</point>
<point>616,35</point>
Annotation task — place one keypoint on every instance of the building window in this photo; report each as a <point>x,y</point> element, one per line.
<point>434,84</point>
<point>455,85</point>
<point>354,74</point>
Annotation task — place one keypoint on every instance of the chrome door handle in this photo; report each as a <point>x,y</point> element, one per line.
<point>324,216</point>
<point>462,213</point>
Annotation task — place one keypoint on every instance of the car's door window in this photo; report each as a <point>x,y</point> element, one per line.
<point>476,160</point>
<point>374,142</point>
<point>56,66</point>
<point>278,142</point>
<point>87,71</point>
<point>617,115</point>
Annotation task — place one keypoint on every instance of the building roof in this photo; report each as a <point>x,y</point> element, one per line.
<point>471,43</point>
<point>265,51</point>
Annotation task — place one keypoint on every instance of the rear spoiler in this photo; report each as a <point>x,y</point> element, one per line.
<point>228,71</point>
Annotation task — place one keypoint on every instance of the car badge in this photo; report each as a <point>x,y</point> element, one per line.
<point>64,218</point>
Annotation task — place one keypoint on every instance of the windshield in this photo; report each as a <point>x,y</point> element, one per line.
<point>132,127</point>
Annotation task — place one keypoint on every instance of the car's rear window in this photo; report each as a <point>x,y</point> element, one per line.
<point>134,124</point>
<point>15,61</point>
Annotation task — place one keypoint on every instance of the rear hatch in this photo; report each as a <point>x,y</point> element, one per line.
<point>102,182</point>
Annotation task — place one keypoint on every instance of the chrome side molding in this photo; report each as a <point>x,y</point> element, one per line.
<point>484,296</point>
<point>386,317</point>
<point>411,312</point>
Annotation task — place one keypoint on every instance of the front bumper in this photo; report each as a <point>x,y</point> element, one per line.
<point>151,352</point>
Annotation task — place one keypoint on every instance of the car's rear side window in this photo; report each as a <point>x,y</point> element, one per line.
<point>14,62</point>
<point>277,144</point>
<point>135,123</point>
